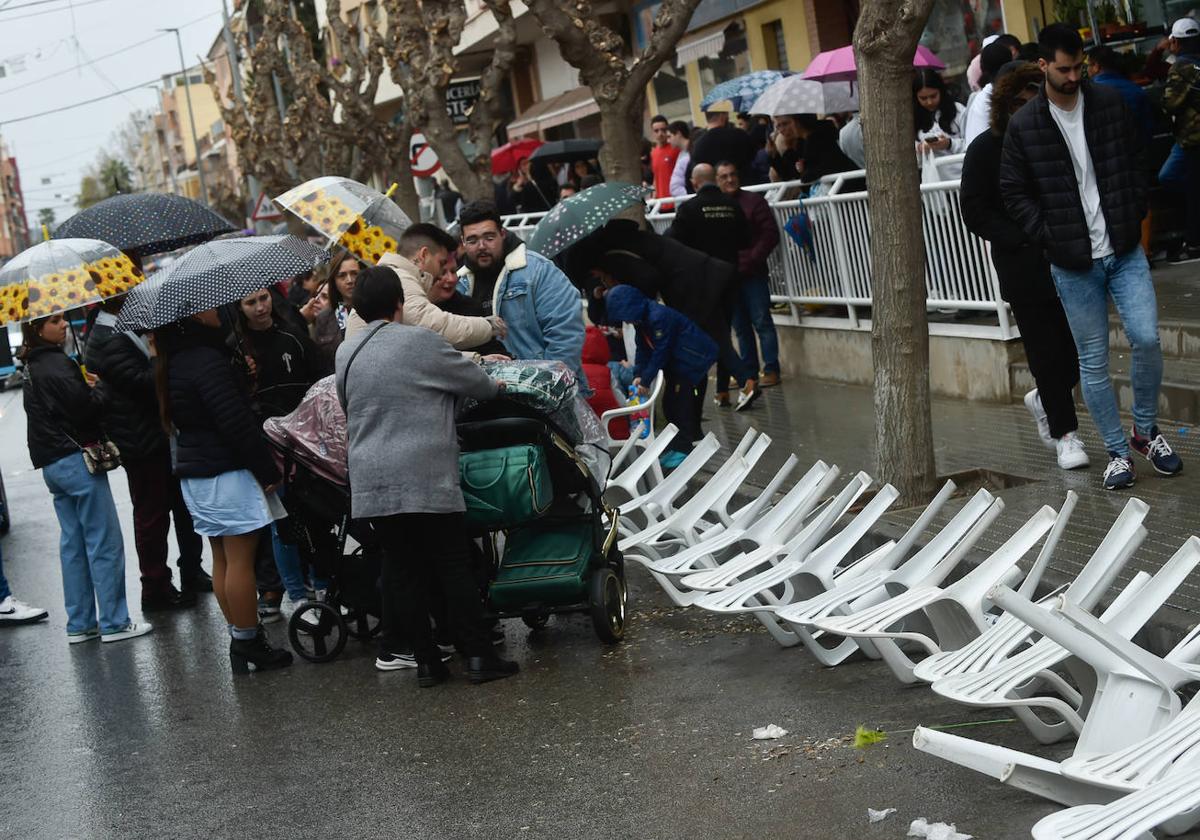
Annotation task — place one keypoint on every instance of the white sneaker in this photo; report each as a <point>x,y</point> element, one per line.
<point>1071,455</point>
<point>130,631</point>
<point>83,636</point>
<point>13,611</point>
<point>747,396</point>
<point>1033,402</point>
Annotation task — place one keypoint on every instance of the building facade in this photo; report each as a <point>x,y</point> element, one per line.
<point>14,227</point>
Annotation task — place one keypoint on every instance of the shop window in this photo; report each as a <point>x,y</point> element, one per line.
<point>775,45</point>
<point>731,62</point>
<point>955,32</point>
<point>671,93</point>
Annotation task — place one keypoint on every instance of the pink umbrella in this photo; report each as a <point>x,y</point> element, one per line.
<point>838,65</point>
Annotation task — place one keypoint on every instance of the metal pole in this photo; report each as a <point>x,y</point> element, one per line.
<point>235,71</point>
<point>187,89</point>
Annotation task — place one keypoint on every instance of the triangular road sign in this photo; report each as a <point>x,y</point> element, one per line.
<point>265,210</point>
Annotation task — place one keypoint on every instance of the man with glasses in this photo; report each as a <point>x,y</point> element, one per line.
<point>662,156</point>
<point>537,302</point>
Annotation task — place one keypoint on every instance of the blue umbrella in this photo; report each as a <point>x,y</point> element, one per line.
<point>743,90</point>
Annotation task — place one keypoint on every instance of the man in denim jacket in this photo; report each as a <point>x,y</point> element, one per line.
<point>538,303</point>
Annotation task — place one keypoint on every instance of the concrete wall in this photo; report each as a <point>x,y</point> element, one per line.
<point>555,76</point>
<point>970,368</point>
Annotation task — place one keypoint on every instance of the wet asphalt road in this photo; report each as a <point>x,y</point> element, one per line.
<point>153,738</point>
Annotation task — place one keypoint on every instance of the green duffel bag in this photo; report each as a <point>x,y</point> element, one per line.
<point>544,565</point>
<point>505,486</point>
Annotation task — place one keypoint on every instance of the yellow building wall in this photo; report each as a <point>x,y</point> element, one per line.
<point>204,105</point>
<point>1020,17</point>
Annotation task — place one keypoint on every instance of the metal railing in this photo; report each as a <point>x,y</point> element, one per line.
<point>827,283</point>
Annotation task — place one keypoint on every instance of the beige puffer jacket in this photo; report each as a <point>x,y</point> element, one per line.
<point>419,311</point>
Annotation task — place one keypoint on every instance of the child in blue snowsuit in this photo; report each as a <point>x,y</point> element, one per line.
<point>669,341</point>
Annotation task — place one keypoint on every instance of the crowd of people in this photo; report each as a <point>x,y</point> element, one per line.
<point>1054,176</point>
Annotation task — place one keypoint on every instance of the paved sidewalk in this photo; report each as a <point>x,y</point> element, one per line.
<point>835,423</point>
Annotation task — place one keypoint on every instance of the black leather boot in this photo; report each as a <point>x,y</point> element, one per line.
<point>432,673</point>
<point>257,652</point>
<point>197,581</point>
<point>481,669</point>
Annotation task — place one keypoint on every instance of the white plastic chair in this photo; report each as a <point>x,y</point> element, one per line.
<point>931,564</point>
<point>1131,817</point>
<point>708,506</point>
<point>1010,634</point>
<point>1135,692</point>
<point>659,501</point>
<point>643,473</point>
<point>635,439</point>
<point>956,614</point>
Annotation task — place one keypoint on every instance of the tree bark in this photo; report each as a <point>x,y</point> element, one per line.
<point>884,42</point>
<point>598,54</point>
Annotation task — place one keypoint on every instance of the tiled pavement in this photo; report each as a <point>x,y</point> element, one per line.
<point>835,423</point>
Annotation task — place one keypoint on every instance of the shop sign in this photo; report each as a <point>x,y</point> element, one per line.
<point>461,96</point>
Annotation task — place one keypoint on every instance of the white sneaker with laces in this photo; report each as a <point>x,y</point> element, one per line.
<point>13,611</point>
<point>1033,402</point>
<point>130,631</point>
<point>1071,454</point>
<point>747,396</point>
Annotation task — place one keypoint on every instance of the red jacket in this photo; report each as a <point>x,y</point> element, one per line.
<point>662,162</point>
<point>595,368</point>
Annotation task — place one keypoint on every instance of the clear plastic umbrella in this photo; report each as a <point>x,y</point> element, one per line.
<point>362,220</point>
<point>796,95</point>
<point>61,274</point>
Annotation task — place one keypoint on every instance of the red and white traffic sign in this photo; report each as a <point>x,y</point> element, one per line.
<point>265,210</point>
<point>424,159</point>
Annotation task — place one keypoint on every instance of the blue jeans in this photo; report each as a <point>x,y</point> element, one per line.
<point>753,315</point>
<point>90,547</point>
<point>1084,295</point>
<point>1173,175</point>
<point>290,565</point>
<point>4,590</point>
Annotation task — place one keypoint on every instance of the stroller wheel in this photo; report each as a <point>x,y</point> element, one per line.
<point>361,625</point>
<point>317,631</point>
<point>536,621</point>
<point>607,599</point>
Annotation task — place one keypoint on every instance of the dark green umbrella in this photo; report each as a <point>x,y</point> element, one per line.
<point>574,218</point>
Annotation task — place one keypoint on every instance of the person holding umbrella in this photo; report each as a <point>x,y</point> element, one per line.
<point>226,470</point>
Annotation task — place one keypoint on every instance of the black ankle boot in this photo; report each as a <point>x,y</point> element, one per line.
<point>257,651</point>
<point>481,669</point>
<point>432,673</point>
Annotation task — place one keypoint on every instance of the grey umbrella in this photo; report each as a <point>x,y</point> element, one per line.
<point>141,224</point>
<point>221,272</point>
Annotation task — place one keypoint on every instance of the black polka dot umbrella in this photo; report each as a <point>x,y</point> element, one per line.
<point>140,301</point>
<point>574,218</point>
<point>146,223</point>
<point>220,272</point>
<point>364,221</point>
<point>61,274</point>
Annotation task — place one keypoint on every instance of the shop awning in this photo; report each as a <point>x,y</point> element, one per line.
<point>702,45</point>
<point>557,110</point>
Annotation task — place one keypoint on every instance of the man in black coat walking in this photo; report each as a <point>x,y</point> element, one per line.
<point>131,421</point>
<point>714,223</point>
<point>1072,176</point>
<point>1023,272</point>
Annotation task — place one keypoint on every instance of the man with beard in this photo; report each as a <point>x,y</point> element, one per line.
<point>538,304</point>
<point>1072,176</point>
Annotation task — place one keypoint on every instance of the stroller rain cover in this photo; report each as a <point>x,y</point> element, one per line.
<point>315,433</point>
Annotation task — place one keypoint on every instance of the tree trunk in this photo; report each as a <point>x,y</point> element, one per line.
<point>885,40</point>
<point>406,190</point>
<point>621,155</point>
<point>442,137</point>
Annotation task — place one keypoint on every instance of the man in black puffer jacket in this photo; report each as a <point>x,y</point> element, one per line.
<point>131,420</point>
<point>1072,176</point>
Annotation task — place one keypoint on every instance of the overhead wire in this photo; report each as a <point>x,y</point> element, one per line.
<point>53,11</point>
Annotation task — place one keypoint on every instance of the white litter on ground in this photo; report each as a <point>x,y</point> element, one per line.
<point>879,816</point>
<point>935,831</point>
<point>768,732</point>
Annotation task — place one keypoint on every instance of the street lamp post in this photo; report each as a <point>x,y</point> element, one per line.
<point>187,89</point>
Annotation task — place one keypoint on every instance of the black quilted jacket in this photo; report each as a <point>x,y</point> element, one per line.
<point>127,390</point>
<point>61,411</point>
<point>1037,180</point>
<point>218,431</point>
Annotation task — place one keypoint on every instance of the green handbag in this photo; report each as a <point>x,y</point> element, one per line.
<point>505,486</point>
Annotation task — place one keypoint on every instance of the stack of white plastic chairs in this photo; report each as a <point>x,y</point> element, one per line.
<point>791,555</point>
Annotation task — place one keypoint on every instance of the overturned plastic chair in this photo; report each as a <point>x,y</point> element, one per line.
<point>940,618</point>
<point>659,501</point>
<point>642,474</point>
<point>708,507</point>
<point>1135,692</point>
<point>893,575</point>
<point>1174,799</point>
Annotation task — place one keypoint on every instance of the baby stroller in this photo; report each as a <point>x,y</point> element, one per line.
<point>536,502</point>
<point>310,447</point>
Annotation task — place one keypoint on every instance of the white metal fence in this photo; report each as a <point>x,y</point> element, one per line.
<point>828,283</point>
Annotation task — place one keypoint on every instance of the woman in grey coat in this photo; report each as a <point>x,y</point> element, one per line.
<point>401,387</point>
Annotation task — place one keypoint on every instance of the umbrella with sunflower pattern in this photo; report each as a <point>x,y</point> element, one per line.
<point>364,221</point>
<point>61,274</point>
